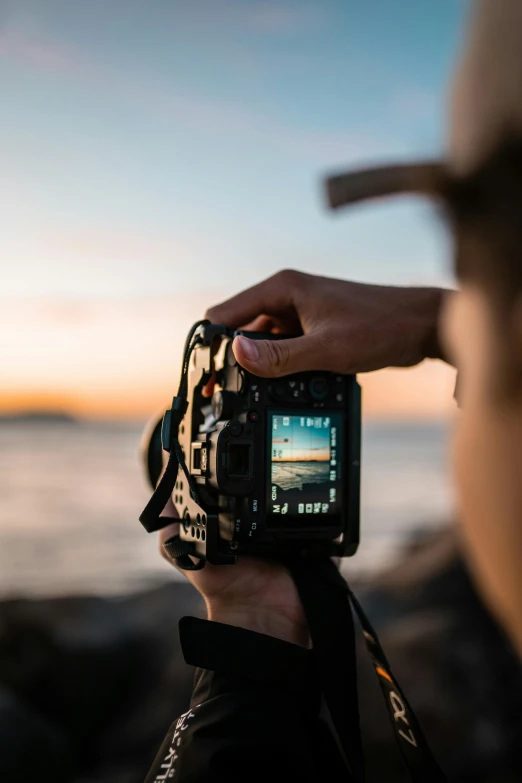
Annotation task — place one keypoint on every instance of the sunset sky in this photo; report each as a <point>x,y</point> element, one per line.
<point>158,155</point>
<point>295,438</point>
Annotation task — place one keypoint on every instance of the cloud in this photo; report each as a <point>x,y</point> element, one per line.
<point>267,18</point>
<point>35,53</point>
<point>282,18</point>
<point>22,43</point>
<point>26,45</point>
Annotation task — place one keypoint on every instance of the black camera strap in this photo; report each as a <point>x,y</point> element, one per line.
<point>150,517</point>
<point>333,638</point>
<point>328,601</point>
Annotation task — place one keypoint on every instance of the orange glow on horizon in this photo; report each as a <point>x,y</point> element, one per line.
<point>120,359</point>
<point>117,406</point>
<point>425,392</point>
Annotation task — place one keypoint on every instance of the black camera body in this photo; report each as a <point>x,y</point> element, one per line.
<point>275,463</point>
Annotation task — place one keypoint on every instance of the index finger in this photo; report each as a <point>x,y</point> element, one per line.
<point>274,296</point>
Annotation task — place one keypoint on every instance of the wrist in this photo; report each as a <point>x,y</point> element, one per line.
<point>260,620</point>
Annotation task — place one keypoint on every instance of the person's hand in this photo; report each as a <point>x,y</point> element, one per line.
<point>255,594</point>
<point>344,327</point>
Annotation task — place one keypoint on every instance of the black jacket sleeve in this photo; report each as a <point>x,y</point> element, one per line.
<point>254,713</point>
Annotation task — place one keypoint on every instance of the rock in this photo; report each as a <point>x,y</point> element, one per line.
<point>455,665</point>
<point>98,681</point>
<point>107,674</point>
<point>30,744</point>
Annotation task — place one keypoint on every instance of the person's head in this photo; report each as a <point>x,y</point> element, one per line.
<point>480,186</point>
<point>483,323</point>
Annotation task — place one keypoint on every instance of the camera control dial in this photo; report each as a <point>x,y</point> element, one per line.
<point>223,403</point>
<point>319,388</point>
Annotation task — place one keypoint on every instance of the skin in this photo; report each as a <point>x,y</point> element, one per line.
<point>344,327</point>
<point>487,453</point>
<point>487,345</point>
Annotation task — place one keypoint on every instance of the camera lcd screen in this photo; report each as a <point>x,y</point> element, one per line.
<point>305,467</point>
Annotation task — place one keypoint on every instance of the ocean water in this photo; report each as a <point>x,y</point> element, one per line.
<point>71,494</point>
<point>292,475</point>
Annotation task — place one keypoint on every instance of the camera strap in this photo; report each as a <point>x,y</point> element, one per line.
<point>150,517</point>
<point>328,602</point>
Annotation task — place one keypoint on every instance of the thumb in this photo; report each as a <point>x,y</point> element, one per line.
<point>272,358</point>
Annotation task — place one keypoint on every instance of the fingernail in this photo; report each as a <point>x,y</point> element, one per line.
<point>249,348</point>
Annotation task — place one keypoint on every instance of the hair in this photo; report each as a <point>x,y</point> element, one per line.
<point>485,212</point>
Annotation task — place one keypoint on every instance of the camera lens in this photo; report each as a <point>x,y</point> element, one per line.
<point>319,388</point>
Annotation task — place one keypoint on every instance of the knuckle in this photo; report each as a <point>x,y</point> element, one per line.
<point>289,277</point>
<point>212,314</point>
<point>278,354</point>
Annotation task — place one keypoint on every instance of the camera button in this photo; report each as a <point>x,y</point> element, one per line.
<point>253,416</point>
<point>319,388</point>
<point>278,390</point>
<point>234,428</point>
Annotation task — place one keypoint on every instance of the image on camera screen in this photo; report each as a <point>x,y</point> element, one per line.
<point>305,465</point>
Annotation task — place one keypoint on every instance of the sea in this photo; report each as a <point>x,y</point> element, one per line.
<point>292,475</point>
<point>71,493</point>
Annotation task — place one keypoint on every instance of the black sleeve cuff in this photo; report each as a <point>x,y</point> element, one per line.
<point>247,655</point>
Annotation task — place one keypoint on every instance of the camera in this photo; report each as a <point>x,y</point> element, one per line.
<point>270,466</point>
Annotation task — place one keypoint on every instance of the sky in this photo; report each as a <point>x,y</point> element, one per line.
<point>159,155</point>
<point>300,438</point>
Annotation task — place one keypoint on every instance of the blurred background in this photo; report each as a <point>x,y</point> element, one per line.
<point>158,157</point>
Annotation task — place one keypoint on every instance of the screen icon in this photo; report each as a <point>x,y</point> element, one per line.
<point>284,510</point>
<point>324,508</point>
<point>317,508</point>
<point>300,508</point>
<point>309,508</point>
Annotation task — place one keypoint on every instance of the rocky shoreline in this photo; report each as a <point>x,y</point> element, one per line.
<point>89,686</point>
